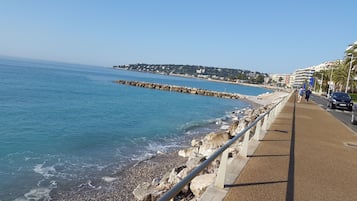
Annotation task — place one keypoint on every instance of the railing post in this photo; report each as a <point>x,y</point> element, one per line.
<point>279,106</point>
<point>221,174</point>
<point>276,111</point>
<point>258,129</point>
<point>244,150</point>
<point>265,123</point>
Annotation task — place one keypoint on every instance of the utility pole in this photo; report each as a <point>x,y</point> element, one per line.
<point>322,81</point>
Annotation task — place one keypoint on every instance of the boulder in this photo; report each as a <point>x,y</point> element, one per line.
<point>200,183</point>
<point>233,127</point>
<point>188,152</point>
<point>213,141</point>
<point>143,192</point>
<point>196,143</point>
<point>193,162</point>
<point>175,175</point>
<point>241,125</point>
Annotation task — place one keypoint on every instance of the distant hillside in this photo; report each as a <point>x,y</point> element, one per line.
<point>214,73</point>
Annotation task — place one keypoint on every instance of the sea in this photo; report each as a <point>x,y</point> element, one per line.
<point>65,124</point>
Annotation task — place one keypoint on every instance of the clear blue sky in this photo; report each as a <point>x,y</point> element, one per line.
<point>267,36</point>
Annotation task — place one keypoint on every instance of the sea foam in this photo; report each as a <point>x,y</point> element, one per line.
<point>47,172</point>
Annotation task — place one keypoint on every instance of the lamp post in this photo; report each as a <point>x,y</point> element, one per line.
<point>349,72</point>
<point>330,83</point>
<point>322,81</point>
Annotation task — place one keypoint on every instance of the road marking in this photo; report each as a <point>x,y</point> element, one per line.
<point>340,111</point>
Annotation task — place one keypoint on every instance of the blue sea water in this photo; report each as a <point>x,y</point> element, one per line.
<point>65,123</point>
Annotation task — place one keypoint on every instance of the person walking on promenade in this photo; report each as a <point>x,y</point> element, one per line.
<point>301,94</point>
<point>307,94</point>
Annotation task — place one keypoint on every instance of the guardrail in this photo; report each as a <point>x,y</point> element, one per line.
<point>262,123</point>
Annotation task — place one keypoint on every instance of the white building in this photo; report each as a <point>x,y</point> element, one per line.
<point>325,66</point>
<point>281,79</point>
<point>302,76</point>
<point>200,71</point>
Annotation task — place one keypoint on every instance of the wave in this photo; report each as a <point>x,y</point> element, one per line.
<point>41,193</point>
<point>46,172</point>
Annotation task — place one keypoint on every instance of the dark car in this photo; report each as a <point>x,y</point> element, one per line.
<point>340,100</point>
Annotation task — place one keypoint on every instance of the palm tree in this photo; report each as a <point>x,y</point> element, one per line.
<point>351,50</point>
<point>350,61</point>
<point>324,75</point>
<point>340,78</point>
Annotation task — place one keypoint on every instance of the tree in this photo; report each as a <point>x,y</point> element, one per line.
<point>260,79</point>
<point>351,52</point>
<point>321,76</point>
<point>340,76</point>
<point>349,61</point>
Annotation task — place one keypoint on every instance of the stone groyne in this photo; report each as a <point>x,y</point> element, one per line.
<point>180,89</point>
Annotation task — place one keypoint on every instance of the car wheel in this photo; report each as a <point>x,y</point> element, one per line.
<point>349,108</point>
<point>333,106</point>
<point>353,119</point>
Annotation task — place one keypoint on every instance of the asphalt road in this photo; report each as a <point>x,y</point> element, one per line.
<point>342,115</point>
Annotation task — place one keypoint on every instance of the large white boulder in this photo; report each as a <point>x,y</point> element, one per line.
<point>200,183</point>
<point>212,142</point>
<point>188,152</point>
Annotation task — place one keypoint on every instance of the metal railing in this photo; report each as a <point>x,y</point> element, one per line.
<point>262,123</point>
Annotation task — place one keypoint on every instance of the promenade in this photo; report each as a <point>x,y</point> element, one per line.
<point>306,155</point>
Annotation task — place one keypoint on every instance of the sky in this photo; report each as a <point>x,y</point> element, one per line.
<point>275,36</point>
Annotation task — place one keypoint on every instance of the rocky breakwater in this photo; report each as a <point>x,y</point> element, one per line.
<point>180,89</point>
<point>198,152</point>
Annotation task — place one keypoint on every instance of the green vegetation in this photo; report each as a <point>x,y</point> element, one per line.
<point>214,73</point>
<point>354,97</point>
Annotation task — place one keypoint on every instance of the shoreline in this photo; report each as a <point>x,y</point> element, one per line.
<point>120,186</point>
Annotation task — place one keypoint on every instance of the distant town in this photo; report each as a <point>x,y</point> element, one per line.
<point>295,79</point>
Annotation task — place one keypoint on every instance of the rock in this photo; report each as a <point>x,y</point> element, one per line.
<point>200,183</point>
<point>206,151</point>
<point>213,141</point>
<point>196,142</point>
<point>188,152</point>
<point>143,192</point>
<point>109,179</point>
<point>193,162</point>
<point>241,125</point>
<point>233,127</point>
<point>156,195</point>
<point>155,182</point>
<point>175,175</point>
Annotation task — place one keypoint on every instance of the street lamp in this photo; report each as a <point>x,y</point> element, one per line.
<point>349,72</point>
<point>330,83</point>
<point>322,81</point>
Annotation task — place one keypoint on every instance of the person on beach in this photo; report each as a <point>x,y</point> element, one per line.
<point>307,94</point>
<point>301,94</point>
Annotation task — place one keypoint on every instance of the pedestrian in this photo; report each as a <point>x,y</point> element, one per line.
<point>307,94</point>
<point>301,94</point>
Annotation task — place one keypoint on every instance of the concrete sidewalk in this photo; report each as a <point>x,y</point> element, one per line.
<point>306,154</point>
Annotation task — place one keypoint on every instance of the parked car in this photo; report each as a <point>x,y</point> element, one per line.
<point>340,100</point>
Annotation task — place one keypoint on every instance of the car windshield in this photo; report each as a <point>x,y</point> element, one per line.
<point>341,95</point>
